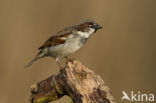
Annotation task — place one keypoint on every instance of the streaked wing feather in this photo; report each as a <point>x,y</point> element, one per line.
<point>58,38</point>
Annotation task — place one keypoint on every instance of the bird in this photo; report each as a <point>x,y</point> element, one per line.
<point>67,41</point>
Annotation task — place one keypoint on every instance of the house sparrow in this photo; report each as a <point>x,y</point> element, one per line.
<point>67,41</point>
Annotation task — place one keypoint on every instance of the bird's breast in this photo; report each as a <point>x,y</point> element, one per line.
<point>72,45</point>
<point>69,47</point>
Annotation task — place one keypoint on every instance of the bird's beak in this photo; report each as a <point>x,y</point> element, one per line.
<point>98,27</point>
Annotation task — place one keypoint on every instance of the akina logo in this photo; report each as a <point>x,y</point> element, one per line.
<point>137,96</point>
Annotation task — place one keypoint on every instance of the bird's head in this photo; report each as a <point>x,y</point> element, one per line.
<point>88,24</point>
<point>87,27</point>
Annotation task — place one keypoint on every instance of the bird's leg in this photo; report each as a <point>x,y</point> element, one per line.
<point>57,60</point>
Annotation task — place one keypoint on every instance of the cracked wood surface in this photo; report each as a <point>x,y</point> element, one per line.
<point>81,84</point>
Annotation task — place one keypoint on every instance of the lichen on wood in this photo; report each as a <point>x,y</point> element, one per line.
<point>75,80</point>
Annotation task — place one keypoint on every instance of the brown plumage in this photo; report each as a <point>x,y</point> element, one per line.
<point>54,40</point>
<point>81,27</point>
<point>67,41</point>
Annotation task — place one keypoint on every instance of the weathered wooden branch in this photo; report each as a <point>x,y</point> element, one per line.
<point>75,80</point>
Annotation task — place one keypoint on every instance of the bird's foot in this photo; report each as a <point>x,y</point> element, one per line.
<point>57,60</point>
<point>70,59</point>
<point>59,65</point>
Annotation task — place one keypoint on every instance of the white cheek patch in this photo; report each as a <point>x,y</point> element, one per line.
<point>86,34</point>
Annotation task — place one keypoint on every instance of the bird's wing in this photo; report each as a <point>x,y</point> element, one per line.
<point>58,38</point>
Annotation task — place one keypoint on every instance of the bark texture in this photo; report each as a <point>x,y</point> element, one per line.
<point>81,84</point>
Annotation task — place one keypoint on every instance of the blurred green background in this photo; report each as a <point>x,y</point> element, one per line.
<point>123,52</point>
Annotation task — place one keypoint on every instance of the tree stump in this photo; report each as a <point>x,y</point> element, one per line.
<point>81,84</point>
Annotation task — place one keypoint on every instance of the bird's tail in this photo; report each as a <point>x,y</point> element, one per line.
<point>38,56</point>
